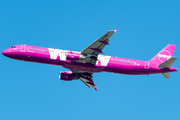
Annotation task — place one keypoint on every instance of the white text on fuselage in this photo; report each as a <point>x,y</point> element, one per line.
<point>54,53</point>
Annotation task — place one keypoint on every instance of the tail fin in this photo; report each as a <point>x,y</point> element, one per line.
<point>164,54</point>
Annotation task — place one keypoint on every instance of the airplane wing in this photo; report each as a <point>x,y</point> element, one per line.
<point>88,82</point>
<point>86,78</point>
<point>91,52</point>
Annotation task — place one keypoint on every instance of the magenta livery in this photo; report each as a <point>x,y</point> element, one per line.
<point>87,62</point>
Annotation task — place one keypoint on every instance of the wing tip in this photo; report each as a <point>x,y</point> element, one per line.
<point>96,88</point>
<point>115,30</point>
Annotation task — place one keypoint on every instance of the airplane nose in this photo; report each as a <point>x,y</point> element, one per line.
<point>6,52</point>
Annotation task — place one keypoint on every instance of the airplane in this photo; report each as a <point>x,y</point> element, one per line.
<point>87,62</point>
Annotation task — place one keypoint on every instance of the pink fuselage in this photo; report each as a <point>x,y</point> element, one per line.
<point>113,64</point>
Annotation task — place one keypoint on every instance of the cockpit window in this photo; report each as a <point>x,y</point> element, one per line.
<point>13,46</point>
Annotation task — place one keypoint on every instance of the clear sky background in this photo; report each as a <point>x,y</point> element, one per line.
<point>31,91</point>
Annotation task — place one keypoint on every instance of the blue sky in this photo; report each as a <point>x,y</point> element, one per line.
<point>33,91</point>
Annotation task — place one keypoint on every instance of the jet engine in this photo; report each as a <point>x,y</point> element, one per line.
<point>72,56</point>
<point>66,76</point>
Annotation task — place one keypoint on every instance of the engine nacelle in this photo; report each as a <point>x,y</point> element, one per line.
<point>66,76</point>
<point>72,56</point>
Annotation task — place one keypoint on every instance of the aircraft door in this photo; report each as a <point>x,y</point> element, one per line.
<point>146,65</point>
<point>23,48</point>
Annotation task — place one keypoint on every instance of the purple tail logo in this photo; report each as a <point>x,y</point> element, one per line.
<point>164,55</point>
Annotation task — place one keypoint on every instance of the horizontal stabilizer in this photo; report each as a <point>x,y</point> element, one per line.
<point>168,63</point>
<point>166,75</point>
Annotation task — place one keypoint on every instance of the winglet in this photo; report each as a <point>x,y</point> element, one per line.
<point>115,30</point>
<point>96,88</point>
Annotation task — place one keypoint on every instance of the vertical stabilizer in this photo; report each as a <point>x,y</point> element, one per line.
<point>164,54</point>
